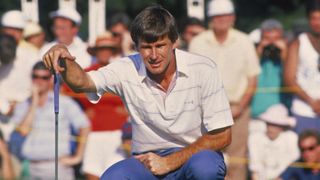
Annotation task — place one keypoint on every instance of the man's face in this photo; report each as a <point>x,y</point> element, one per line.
<point>158,55</point>
<point>314,21</point>
<point>223,23</point>
<point>271,36</point>
<point>103,55</point>
<point>42,79</point>
<point>308,147</point>
<point>64,30</point>
<point>37,40</point>
<point>191,31</point>
<point>273,131</point>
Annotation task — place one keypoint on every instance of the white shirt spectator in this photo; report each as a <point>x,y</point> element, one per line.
<point>308,76</point>
<point>194,104</point>
<point>270,158</point>
<point>78,48</point>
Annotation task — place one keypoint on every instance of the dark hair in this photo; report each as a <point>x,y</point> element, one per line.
<point>153,23</point>
<point>309,133</point>
<point>8,47</point>
<point>119,18</point>
<point>189,22</point>
<point>311,6</point>
<point>39,66</point>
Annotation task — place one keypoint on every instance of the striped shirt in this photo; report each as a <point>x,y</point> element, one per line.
<point>194,104</point>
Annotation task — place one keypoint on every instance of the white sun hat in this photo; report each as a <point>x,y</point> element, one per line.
<point>31,29</point>
<point>68,13</point>
<point>13,19</point>
<point>220,7</point>
<point>278,115</point>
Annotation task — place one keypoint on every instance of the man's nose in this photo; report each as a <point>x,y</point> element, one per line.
<point>154,53</point>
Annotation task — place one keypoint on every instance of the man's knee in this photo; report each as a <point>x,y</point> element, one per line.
<point>113,172</point>
<point>127,169</point>
<point>207,165</point>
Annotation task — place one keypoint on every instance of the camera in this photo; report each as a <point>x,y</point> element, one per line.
<point>271,52</point>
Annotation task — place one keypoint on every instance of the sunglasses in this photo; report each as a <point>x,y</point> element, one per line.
<point>34,76</point>
<point>116,34</point>
<point>310,148</point>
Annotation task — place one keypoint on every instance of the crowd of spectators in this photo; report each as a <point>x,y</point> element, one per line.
<point>272,83</point>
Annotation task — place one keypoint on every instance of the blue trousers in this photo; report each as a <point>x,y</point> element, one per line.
<point>204,165</point>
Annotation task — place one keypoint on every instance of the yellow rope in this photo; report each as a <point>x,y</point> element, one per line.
<point>242,160</point>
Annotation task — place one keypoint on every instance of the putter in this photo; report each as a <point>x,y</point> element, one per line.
<point>56,112</point>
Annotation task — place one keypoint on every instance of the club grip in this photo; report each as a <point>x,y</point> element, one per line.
<point>56,90</point>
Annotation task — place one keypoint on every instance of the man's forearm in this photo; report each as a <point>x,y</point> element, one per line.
<point>217,141</point>
<point>76,78</point>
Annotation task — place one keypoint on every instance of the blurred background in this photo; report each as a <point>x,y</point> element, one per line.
<point>250,13</point>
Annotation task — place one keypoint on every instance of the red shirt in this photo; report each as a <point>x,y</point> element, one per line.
<point>109,114</point>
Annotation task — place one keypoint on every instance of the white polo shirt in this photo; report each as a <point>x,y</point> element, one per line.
<point>196,103</point>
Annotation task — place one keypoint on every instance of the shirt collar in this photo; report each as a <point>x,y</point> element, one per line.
<point>230,37</point>
<point>181,60</point>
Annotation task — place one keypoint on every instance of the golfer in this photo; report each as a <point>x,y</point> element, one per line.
<point>181,118</point>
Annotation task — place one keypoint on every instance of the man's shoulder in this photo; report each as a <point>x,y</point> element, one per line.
<point>195,59</point>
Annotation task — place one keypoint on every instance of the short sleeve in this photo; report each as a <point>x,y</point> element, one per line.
<point>215,105</point>
<point>106,79</point>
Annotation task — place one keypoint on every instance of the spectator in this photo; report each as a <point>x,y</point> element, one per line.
<point>119,26</point>
<point>191,27</point>
<point>271,152</point>
<point>66,24</point>
<point>272,51</point>
<point>237,60</point>
<point>309,141</point>
<point>107,117</point>
<point>302,72</point>
<point>14,82</point>
<point>8,46</point>
<point>34,118</point>
<point>34,36</point>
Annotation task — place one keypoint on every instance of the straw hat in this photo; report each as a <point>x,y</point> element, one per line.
<point>105,40</point>
<point>278,115</point>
